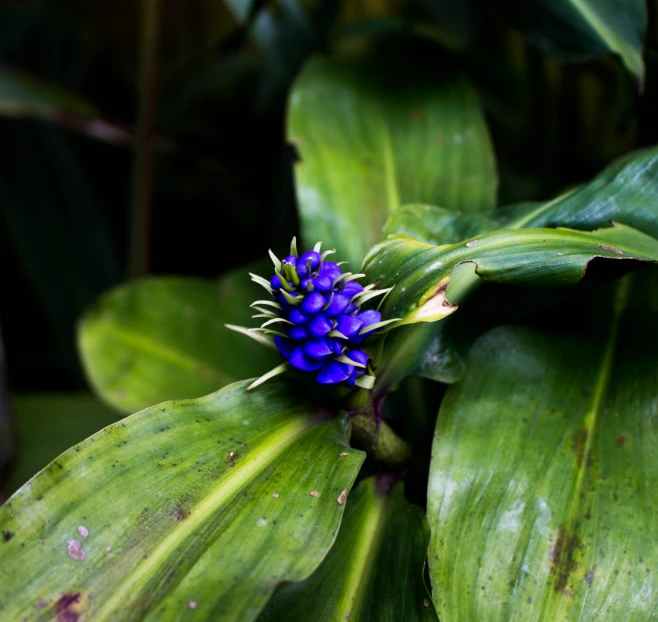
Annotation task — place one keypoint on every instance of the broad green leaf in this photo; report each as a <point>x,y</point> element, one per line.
<point>203,505</point>
<point>164,338</point>
<point>372,137</point>
<point>542,497</point>
<point>625,192</point>
<point>373,572</point>
<point>582,29</point>
<point>421,273</point>
<point>48,424</point>
<point>23,96</point>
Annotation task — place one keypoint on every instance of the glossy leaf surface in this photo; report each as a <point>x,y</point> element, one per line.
<point>421,272</point>
<point>201,505</point>
<point>359,159</point>
<point>542,497</point>
<point>373,572</point>
<point>164,338</point>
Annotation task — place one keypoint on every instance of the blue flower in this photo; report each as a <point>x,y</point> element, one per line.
<point>315,318</point>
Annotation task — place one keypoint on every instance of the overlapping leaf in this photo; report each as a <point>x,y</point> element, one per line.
<point>202,505</point>
<point>582,29</point>
<point>373,572</point>
<point>542,496</point>
<point>387,135</point>
<point>421,272</point>
<point>164,338</point>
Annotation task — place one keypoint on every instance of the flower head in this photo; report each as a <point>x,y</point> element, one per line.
<point>315,318</point>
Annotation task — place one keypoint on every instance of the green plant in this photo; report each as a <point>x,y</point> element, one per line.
<point>534,325</point>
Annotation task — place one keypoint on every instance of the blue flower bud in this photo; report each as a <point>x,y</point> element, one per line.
<point>323,283</point>
<point>298,332</point>
<point>334,373</point>
<point>322,323</point>
<point>302,362</point>
<point>310,259</point>
<point>338,305</point>
<point>297,317</point>
<point>313,303</point>
<point>352,288</point>
<point>320,326</point>
<point>348,325</point>
<point>318,349</point>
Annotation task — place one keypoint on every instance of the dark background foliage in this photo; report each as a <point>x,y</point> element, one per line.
<point>222,189</point>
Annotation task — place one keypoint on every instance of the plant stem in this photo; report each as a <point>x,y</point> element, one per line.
<point>144,139</point>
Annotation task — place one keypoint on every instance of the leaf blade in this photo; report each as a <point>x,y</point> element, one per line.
<point>359,159</point>
<point>184,522</point>
<point>551,436</point>
<point>373,572</point>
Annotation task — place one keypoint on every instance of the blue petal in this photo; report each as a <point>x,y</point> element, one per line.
<point>302,271</point>
<point>334,372</point>
<point>336,346</point>
<point>330,269</point>
<point>313,303</point>
<point>298,332</point>
<point>297,317</point>
<point>291,260</point>
<point>358,356</point>
<point>319,326</point>
<point>369,317</point>
<point>351,308</point>
<point>323,283</point>
<point>275,282</point>
<point>318,349</point>
<point>299,360</point>
<point>284,346</point>
<point>338,305</point>
<point>311,256</point>
<point>352,288</point>
<point>348,325</point>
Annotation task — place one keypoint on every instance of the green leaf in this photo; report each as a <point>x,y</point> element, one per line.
<point>204,504</point>
<point>164,338</point>
<point>582,29</point>
<point>23,96</point>
<point>625,192</point>
<point>422,273</point>
<point>542,491</point>
<point>373,572</point>
<point>48,424</point>
<point>372,137</point>
<point>436,225</point>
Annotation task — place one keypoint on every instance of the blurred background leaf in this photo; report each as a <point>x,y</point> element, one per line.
<point>390,133</point>
<point>164,338</point>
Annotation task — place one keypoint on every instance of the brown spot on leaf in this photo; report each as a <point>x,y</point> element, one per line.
<point>181,513</point>
<point>66,607</point>
<point>342,497</point>
<point>611,248</point>
<point>578,440</point>
<point>7,535</point>
<point>562,557</point>
<point>621,440</point>
<point>589,577</point>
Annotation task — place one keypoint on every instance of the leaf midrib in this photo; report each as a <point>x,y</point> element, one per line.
<point>357,577</point>
<point>222,492</point>
<point>157,349</point>
<point>590,423</point>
